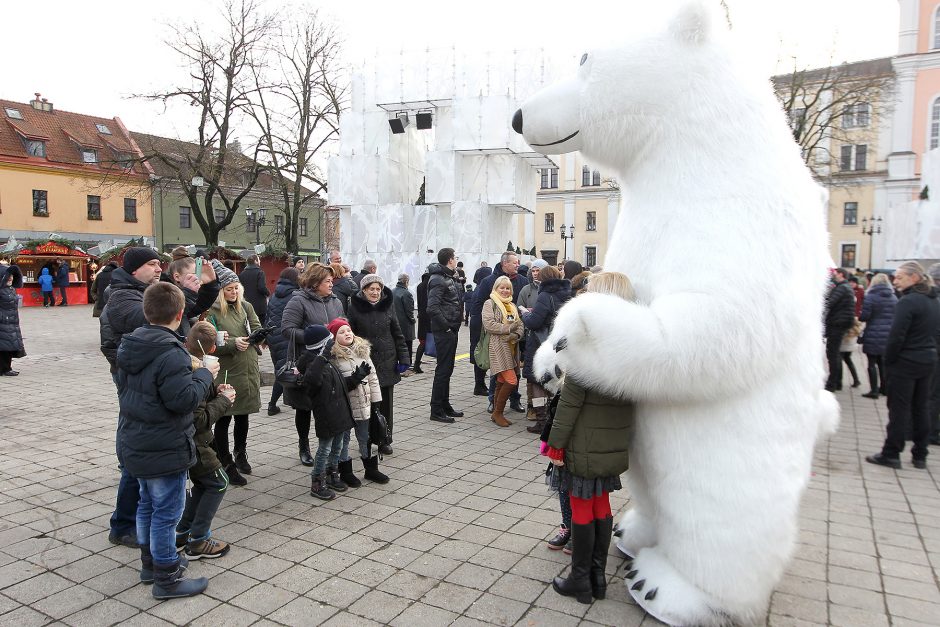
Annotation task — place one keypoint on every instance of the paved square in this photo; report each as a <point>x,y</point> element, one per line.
<point>456,537</point>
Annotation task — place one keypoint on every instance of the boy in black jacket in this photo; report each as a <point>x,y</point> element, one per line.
<point>158,392</point>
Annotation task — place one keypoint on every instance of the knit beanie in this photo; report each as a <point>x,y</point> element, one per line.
<point>137,256</point>
<point>336,324</point>
<point>225,276</point>
<point>315,336</point>
<point>371,278</point>
<point>539,263</point>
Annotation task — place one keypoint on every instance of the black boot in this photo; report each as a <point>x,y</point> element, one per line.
<point>873,382</point>
<point>479,383</point>
<point>578,584</point>
<point>319,489</point>
<point>305,458</point>
<point>417,363</point>
<point>603,528</point>
<point>371,464</point>
<point>169,582</point>
<point>334,481</point>
<point>346,474</point>
<point>146,564</point>
<point>241,462</point>
<point>234,477</point>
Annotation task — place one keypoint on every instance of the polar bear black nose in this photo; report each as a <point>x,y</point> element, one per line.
<point>517,121</point>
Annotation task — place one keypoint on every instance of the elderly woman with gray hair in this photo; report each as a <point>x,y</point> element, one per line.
<point>910,358</point>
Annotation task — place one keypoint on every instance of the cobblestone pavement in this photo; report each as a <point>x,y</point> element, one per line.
<point>457,536</point>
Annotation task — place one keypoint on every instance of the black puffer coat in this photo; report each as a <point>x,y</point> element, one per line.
<point>11,338</point>
<point>158,392</point>
<point>283,292</point>
<point>840,308</point>
<point>877,314</point>
<point>99,285</point>
<point>326,392</point>
<point>343,289</point>
<point>445,303</point>
<point>123,314</point>
<point>916,327</point>
<point>303,309</point>
<point>378,324</point>
<point>552,295</point>
<point>255,284</point>
<point>424,323</point>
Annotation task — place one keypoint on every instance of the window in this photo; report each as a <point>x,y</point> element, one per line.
<point>130,210</point>
<point>89,155</point>
<point>40,203</point>
<point>94,207</point>
<point>35,148</point>
<point>856,116</point>
<point>935,124</point>
<point>549,178</point>
<point>936,28</point>
<point>848,256</point>
<point>596,180</point>
<point>860,153</point>
<point>103,129</point>
<point>186,218</point>
<point>14,113</point>
<point>585,176</point>
<point>590,256</point>
<point>797,119</point>
<point>279,224</point>
<point>550,257</point>
<point>303,227</point>
<point>549,222</point>
<point>850,214</point>
<point>251,225</point>
<point>124,160</point>
<point>592,223</point>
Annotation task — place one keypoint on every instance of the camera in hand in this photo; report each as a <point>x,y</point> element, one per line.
<point>258,336</point>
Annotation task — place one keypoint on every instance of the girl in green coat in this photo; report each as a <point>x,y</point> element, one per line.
<point>588,445</point>
<point>238,361</point>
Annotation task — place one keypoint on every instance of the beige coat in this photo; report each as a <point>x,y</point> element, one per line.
<point>503,355</point>
<point>346,360</point>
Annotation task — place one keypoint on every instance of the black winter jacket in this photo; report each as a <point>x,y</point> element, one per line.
<point>445,308</point>
<point>304,308</point>
<point>481,274</point>
<point>877,314</point>
<point>254,281</point>
<point>424,323</point>
<point>326,390</point>
<point>283,292</point>
<point>552,295</point>
<point>197,303</point>
<point>100,284</point>
<point>158,392</point>
<point>916,327</point>
<point>11,338</point>
<point>482,292</point>
<point>840,308</point>
<point>378,324</point>
<point>123,314</point>
<point>343,289</point>
<point>405,312</point>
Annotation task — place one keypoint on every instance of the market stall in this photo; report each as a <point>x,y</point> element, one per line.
<point>33,258</point>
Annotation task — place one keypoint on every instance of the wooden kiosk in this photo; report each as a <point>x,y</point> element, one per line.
<point>33,259</point>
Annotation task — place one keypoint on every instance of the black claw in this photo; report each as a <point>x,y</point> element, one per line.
<point>557,372</point>
<point>632,573</point>
<point>618,532</point>
<point>629,564</point>
<point>638,586</point>
<point>561,344</point>
<point>651,594</point>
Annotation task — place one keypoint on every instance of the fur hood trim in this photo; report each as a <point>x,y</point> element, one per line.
<point>360,349</point>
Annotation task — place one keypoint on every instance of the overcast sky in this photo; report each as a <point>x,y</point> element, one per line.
<point>90,56</point>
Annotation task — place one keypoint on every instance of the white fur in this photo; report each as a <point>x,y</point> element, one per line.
<point>722,233</point>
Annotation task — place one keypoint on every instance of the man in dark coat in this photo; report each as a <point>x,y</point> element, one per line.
<point>405,312</point>
<point>445,312</point>
<point>840,316</point>
<point>368,267</point>
<point>123,314</point>
<point>424,324</point>
<point>509,266</point>
<point>62,281</point>
<point>255,283</point>
<point>100,285</point>
<point>283,291</point>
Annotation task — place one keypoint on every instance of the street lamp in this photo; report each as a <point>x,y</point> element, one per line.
<point>258,221</point>
<point>566,237</point>
<point>871,228</point>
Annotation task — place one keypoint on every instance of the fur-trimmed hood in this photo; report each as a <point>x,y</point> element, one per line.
<point>360,349</point>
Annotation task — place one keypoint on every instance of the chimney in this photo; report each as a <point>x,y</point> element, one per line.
<point>40,104</point>
<point>46,105</point>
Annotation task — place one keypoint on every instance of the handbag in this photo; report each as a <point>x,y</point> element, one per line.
<point>379,433</point>
<point>430,348</point>
<point>481,353</point>
<point>287,374</point>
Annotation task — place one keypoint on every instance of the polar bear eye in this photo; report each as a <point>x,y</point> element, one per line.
<point>583,58</point>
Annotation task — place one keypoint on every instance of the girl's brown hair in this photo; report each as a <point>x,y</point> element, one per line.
<point>338,270</point>
<point>549,273</point>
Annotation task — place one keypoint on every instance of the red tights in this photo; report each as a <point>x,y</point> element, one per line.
<point>583,511</point>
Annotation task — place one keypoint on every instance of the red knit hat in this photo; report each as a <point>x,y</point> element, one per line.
<point>336,324</point>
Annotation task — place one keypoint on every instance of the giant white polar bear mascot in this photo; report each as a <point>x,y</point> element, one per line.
<point>722,232</point>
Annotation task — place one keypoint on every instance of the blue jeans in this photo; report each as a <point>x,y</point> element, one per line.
<point>161,506</point>
<point>202,502</point>
<point>362,437</point>
<point>328,450</point>
<point>514,396</point>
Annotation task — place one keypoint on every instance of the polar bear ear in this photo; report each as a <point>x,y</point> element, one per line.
<point>693,23</point>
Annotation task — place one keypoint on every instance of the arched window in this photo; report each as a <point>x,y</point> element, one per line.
<point>585,176</point>
<point>596,179</point>
<point>935,124</point>
<point>936,28</point>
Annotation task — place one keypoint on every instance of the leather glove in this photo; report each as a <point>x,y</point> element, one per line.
<point>361,372</point>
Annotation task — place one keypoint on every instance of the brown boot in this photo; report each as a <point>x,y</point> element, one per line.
<point>503,391</point>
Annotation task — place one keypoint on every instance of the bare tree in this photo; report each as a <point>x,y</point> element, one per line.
<point>828,107</point>
<point>212,172</point>
<point>298,113</point>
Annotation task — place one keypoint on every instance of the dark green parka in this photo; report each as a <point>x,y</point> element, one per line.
<point>594,430</point>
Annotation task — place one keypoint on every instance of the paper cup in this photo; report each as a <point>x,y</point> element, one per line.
<point>220,338</point>
<point>208,360</point>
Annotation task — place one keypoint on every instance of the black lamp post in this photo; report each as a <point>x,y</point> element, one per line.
<point>871,228</point>
<point>566,237</point>
<point>258,221</point>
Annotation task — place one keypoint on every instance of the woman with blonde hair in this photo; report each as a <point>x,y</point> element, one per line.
<point>238,367</point>
<point>910,357</point>
<point>502,322</point>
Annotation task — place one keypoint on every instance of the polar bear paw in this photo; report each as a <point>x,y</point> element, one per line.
<point>634,532</point>
<point>660,590</point>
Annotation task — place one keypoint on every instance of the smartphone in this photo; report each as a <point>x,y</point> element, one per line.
<point>199,267</point>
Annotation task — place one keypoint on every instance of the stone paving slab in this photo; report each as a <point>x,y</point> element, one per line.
<point>456,537</point>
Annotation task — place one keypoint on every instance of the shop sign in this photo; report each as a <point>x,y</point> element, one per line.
<point>52,248</point>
